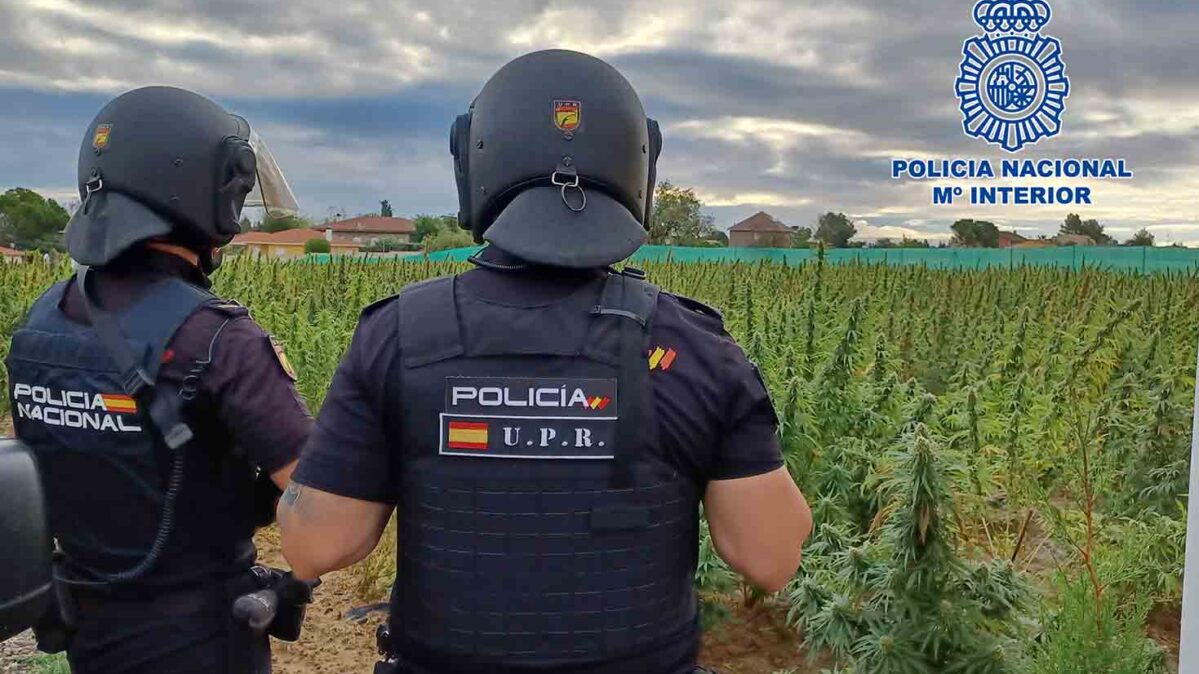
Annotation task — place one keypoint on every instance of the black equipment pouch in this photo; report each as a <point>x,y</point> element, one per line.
<point>278,608</point>
<point>53,632</point>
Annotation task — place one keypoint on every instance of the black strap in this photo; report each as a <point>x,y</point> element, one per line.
<point>429,327</point>
<point>634,305</point>
<point>165,410</point>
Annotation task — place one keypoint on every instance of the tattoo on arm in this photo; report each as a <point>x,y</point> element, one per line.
<point>292,494</point>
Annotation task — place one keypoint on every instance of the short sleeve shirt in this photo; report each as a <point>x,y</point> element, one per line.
<point>246,394</point>
<point>715,416</point>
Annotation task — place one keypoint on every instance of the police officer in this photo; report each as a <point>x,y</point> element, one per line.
<point>157,411</point>
<point>546,427</point>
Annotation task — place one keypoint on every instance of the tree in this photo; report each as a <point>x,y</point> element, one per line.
<point>1076,225</point>
<point>801,237</point>
<point>975,233</point>
<point>677,218</point>
<point>29,221</point>
<point>835,230</point>
<point>385,209</point>
<point>1142,238</point>
<point>270,224</point>
<point>317,246</point>
<point>429,225</point>
<point>448,238</point>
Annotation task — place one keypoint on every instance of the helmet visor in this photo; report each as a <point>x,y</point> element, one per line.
<point>271,191</point>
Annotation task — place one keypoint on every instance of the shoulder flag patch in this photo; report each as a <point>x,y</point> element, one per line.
<point>661,359</point>
<point>284,362</point>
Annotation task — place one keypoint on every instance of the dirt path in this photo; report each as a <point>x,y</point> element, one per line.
<point>16,652</point>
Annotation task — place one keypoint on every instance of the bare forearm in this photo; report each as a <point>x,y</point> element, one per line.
<point>758,526</point>
<point>322,532</point>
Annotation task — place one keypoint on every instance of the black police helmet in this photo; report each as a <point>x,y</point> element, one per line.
<point>555,161</point>
<point>160,163</point>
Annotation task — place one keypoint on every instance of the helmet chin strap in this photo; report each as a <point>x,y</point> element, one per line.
<point>176,250</point>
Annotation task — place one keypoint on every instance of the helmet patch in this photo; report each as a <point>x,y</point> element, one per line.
<point>100,139</point>
<point>568,114</point>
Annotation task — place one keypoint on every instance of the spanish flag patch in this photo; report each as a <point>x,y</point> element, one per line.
<point>467,435</point>
<point>119,404</point>
<point>661,359</point>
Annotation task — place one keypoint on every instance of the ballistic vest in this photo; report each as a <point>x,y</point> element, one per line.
<point>110,442</point>
<point>537,527</point>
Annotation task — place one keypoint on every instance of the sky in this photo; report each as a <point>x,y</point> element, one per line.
<point>791,107</point>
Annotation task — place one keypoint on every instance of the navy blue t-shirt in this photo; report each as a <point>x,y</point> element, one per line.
<point>716,418</point>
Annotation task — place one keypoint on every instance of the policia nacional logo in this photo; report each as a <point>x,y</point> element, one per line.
<point>83,410</point>
<point>1012,84</point>
<point>523,418</point>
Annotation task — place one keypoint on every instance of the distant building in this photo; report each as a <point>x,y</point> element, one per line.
<point>1010,239</point>
<point>1035,243</point>
<point>287,244</point>
<point>1074,240</point>
<point>760,230</point>
<point>369,229</point>
<point>11,255</point>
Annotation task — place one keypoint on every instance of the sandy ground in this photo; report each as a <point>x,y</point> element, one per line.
<point>15,652</point>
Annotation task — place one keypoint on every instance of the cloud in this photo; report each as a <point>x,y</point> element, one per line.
<point>795,107</point>
<point>872,232</point>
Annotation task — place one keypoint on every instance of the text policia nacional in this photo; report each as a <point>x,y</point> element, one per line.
<point>1014,169</point>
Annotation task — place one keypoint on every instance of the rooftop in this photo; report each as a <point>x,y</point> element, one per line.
<point>371,224</point>
<point>287,236</point>
<point>759,222</point>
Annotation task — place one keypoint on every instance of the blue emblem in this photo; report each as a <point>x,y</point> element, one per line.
<point>1012,83</point>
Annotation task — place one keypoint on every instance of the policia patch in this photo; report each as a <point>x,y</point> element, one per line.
<point>526,418</point>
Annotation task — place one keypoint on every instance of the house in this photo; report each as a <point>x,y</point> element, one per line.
<point>369,229</point>
<point>760,230</point>
<point>11,255</point>
<point>1034,243</point>
<point>286,244</point>
<point>1073,240</point>
<point>1010,239</point>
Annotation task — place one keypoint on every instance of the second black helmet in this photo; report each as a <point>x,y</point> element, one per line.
<point>555,162</point>
<point>162,163</point>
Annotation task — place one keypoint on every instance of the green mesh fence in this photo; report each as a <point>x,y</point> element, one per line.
<point>1146,260</point>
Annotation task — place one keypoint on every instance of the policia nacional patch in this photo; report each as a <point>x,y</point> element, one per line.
<point>526,418</point>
